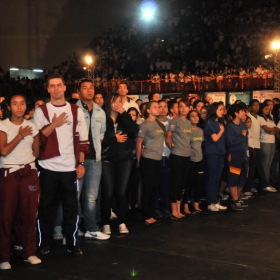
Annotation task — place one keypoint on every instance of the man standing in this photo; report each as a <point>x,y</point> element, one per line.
<point>64,143</point>
<point>96,124</point>
<point>126,101</point>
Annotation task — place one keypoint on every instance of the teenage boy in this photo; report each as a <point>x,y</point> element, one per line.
<point>237,145</point>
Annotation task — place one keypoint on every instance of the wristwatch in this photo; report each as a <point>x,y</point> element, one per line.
<point>81,163</point>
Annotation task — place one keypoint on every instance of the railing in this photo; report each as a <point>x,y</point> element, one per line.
<point>197,85</point>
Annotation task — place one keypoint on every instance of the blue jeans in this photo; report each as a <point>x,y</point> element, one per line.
<point>115,176</point>
<point>89,187</point>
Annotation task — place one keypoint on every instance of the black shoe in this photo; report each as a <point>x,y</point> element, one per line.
<point>236,206</point>
<point>75,251</point>
<point>166,214</point>
<point>243,203</point>
<point>45,250</point>
<point>157,215</point>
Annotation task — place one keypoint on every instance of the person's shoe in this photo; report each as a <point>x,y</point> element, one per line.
<point>5,266</point>
<point>18,247</point>
<point>123,228</point>
<point>75,251</point>
<point>57,236</point>
<point>253,190</point>
<point>212,207</point>
<point>45,250</point>
<point>236,206</point>
<point>96,235</point>
<point>224,196</point>
<point>80,233</point>
<point>106,229</point>
<point>244,197</point>
<point>243,204</point>
<point>248,193</point>
<point>270,189</point>
<point>157,215</point>
<point>166,214</point>
<point>220,207</point>
<point>33,260</point>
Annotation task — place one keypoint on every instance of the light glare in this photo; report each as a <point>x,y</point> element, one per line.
<point>276,45</point>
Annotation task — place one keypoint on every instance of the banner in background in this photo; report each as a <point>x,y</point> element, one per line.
<point>244,96</point>
<point>217,96</point>
<point>261,95</point>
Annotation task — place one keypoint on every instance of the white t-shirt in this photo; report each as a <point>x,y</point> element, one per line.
<point>22,153</point>
<point>130,103</point>
<point>266,137</point>
<point>66,161</point>
<point>254,132</point>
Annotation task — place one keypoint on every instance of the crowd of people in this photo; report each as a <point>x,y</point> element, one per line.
<point>163,157</point>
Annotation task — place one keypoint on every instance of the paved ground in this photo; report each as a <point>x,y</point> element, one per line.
<point>224,245</point>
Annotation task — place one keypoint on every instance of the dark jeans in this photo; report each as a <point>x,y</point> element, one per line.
<point>56,187</point>
<point>214,169</point>
<point>197,179</point>
<point>162,201</point>
<point>114,178</point>
<point>180,178</point>
<point>151,171</point>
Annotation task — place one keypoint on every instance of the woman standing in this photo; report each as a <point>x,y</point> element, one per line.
<point>267,139</point>
<point>116,161</point>
<point>151,135</point>
<point>19,183</point>
<point>178,140</point>
<point>215,150</point>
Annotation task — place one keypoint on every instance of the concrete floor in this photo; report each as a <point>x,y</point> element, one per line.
<point>224,245</point>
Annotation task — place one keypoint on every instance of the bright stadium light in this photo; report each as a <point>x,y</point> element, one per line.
<point>148,9</point>
<point>275,45</point>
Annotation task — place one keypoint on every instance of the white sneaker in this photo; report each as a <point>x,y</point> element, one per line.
<point>248,193</point>
<point>80,233</point>
<point>57,236</point>
<point>123,228</point>
<point>33,260</point>
<point>220,207</point>
<point>96,235</point>
<point>212,207</point>
<point>5,266</point>
<point>106,229</point>
<point>270,189</point>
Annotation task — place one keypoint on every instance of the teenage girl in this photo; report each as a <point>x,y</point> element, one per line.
<point>197,164</point>
<point>215,151</point>
<point>151,137</point>
<point>19,183</point>
<point>178,141</point>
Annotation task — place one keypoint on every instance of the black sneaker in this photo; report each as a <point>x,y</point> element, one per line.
<point>75,251</point>
<point>166,214</point>
<point>243,204</point>
<point>157,215</point>
<point>236,206</point>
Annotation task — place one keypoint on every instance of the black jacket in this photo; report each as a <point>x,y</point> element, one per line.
<point>117,151</point>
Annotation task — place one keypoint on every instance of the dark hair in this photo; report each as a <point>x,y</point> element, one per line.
<point>275,113</point>
<point>16,94</point>
<point>139,100</point>
<point>235,108</point>
<point>170,104</point>
<point>55,76</point>
<point>196,102</point>
<point>253,101</point>
<point>84,80</point>
<point>191,111</point>
<point>247,118</point>
<point>263,105</point>
<point>151,96</point>
<point>133,109</point>
<point>109,99</point>
<point>186,101</point>
<point>211,112</point>
<point>6,111</point>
